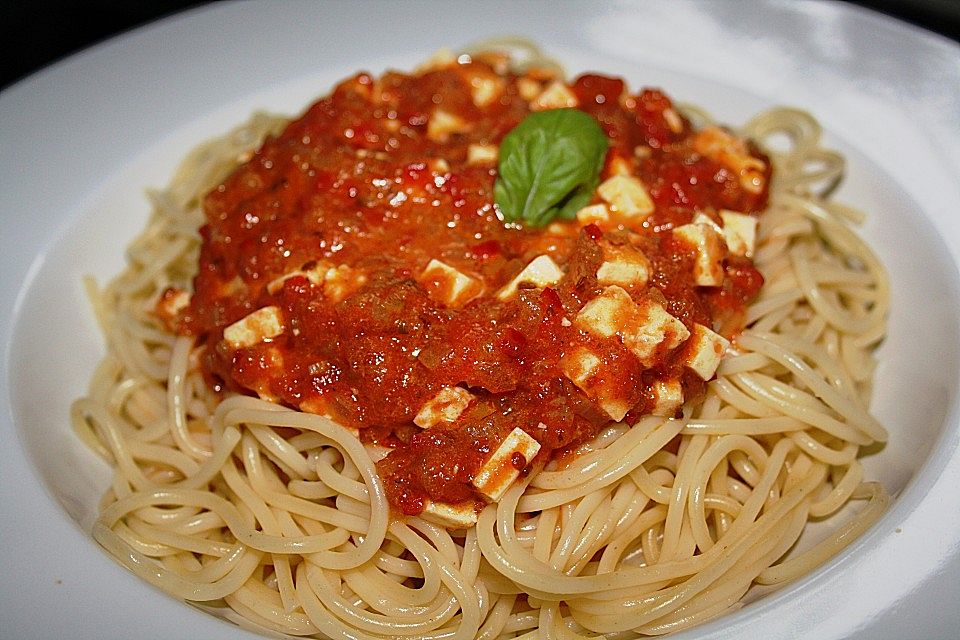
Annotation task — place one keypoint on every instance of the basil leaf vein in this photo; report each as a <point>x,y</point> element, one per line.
<point>549,166</point>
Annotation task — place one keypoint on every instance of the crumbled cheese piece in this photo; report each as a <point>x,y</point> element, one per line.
<point>619,166</point>
<point>257,327</point>
<point>623,266</point>
<point>446,406</point>
<point>702,218</point>
<point>556,96</point>
<point>486,89</point>
<point>583,367</point>
<point>482,154</point>
<point>541,272</point>
<point>740,232</point>
<point>673,120</point>
<point>626,195</point>
<point>172,302</point>
<point>705,350</point>
<point>442,124</point>
<point>314,274</point>
<point>500,471</point>
<point>593,214</point>
<point>655,329</point>
<point>528,89</point>
<point>608,313</point>
<point>339,282</point>
<point>644,328</point>
<point>731,152</point>
<point>451,516</point>
<point>448,285</point>
<point>669,398</point>
<point>709,245</point>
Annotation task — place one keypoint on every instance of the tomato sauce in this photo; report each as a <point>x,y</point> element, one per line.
<point>361,190</point>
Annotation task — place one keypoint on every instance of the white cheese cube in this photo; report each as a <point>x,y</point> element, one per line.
<point>669,397</point>
<point>528,89</point>
<point>448,285</point>
<point>451,516</point>
<point>655,330</point>
<point>315,274</point>
<point>702,218</point>
<point>339,282</point>
<point>584,369</point>
<point>486,89</point>
<point>710,252</point>
<point>482,154</point>
<point>623,266</point>
<point>500,471</point>
<point>731,152</point>
<point>541,272</point>
<point>263,324</point>
<point>446,406</point>
<point>626,195</point>
<point>608,314</point>
<point>594,214</point>
<point>556,96</point>
<point>705,350</point>
<point>172,302</point>
<point>740,232</point>
<point>443,124</point>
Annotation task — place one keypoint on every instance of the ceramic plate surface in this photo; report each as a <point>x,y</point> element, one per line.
<point>82,140</point>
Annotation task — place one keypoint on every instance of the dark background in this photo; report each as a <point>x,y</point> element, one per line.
<point>38,32</point>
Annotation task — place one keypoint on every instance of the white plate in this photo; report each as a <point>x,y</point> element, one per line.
<point>83,139</point>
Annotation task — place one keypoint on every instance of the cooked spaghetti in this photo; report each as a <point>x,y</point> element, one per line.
<point>350,394</point>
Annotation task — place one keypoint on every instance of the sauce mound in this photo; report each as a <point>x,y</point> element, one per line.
<point>356,266</point>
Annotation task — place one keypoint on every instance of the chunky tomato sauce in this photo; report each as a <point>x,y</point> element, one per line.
<point>333,223</point>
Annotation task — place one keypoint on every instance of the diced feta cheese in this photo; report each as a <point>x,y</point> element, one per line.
<point>708,267</point>
<point>171,302</point>
<point>594,214</point>
<point>442,124</point>
<point>655,330</point>
<point>623,266</point>
<point>705,350</point>
<point>482,154</point>
<point>645,329</point>
<point>619,166</point>
<point>451,516</point>
<point>556,96</point>
<point>486,89</point>
<point>448,285</point>
<point>500,471</point>
<point>608,314</point>
<point>731,152</point>
<point>257,327</point>
<point>669,398</point>
<point>528,89</point>
<point>584,369</point>
<point>339,282</point>
<point>626,195</point>
<point>740,232</point>
<point>446,406</point>
<point>702,218</point>
<point>315,274</point>
<point>541,272</point>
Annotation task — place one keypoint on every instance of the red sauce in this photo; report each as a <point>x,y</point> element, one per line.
<point>358,183</point>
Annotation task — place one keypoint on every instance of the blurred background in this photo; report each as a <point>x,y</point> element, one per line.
<point>39,32</point>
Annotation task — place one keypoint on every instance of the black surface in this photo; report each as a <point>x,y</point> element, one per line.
<point>38,32</point>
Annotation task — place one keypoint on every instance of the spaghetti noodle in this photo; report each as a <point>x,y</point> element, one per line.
<point>282,517</point>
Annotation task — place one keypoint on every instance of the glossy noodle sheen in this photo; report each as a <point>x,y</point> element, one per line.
<point>279,518</point>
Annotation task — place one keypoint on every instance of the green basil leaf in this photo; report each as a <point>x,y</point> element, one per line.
<point>549,166</point>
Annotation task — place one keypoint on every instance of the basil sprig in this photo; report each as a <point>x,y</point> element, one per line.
<point>549,166</point>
